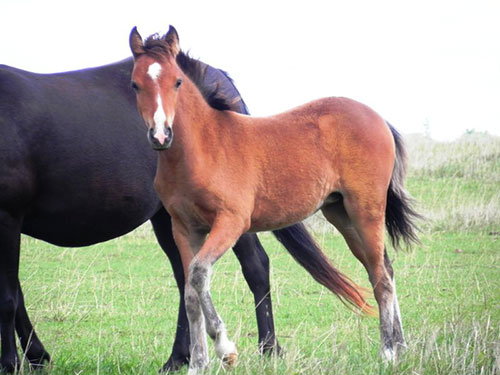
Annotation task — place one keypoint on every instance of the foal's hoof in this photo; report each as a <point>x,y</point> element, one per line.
<point>229,360</point>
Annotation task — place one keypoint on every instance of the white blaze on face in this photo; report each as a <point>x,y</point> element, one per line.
<point>159,117</point>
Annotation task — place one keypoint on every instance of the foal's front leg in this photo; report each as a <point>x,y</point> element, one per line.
<point>188,244</point>
<point>225,232</point>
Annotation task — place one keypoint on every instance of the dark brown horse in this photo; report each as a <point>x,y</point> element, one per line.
<point>76,169</point>
<point>222,174</point>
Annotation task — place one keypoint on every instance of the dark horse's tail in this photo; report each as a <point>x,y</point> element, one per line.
<point>400,216</point>
<point>307,253</point>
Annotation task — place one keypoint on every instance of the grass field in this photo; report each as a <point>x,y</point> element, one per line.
<point>111,308</point>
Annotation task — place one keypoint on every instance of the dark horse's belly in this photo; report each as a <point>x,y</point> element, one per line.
<point>85,195</point>
<point>90,219</point>
<point>79,228</point>
<point>92,202</point>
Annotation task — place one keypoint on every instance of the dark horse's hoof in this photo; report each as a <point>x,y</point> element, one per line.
<point>36,361</point>
<point>174,365</point>
<point>8,368</point>
<point>271,350</point>
<point>39,360</point>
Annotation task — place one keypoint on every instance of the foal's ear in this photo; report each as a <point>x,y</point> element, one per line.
<point>136,43</point>
<point>172,38</point>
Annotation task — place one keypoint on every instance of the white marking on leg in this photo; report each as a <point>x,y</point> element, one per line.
<point>194,371</point>
<point>398,337</point>
<point>224,346</point>
<point>388,355</point>
<point>199,274</point>
<point>386,327</point>
<point>387,323</point>
<point>198,347</point>
<point>397,312</point>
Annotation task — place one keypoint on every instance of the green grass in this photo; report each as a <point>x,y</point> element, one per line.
<point>111,308</point>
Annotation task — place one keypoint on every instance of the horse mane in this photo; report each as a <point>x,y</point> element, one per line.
<point>214,92</point>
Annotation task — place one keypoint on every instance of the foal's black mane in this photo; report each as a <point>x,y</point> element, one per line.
<point>196,70</point>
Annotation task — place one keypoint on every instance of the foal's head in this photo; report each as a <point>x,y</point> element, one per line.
<point>156,79</point>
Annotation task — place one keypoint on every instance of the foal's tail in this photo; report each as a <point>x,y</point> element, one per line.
<point>399,213</point>
<point>307,253</point>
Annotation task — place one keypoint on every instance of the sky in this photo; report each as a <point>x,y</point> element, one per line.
<point>427,66</point>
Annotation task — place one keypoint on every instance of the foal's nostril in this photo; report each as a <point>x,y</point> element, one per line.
<point>151,133</point>
<point>151,136</point>
<point>168,134</point>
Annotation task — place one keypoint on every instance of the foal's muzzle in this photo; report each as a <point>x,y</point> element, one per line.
<point>156,143</point>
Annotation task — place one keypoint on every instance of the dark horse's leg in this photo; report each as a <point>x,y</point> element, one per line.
<point>255,267</point>
<point>32,347</point>
<point>13,314</point>
<point>162,226</point>
<point>10,235</point>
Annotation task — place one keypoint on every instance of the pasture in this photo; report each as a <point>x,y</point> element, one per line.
<point>111,308</point>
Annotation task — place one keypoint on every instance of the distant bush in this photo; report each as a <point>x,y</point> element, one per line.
<point>456,184</point>
<point>474,155</point>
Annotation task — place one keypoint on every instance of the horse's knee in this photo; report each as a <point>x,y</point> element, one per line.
<point>199,274</point>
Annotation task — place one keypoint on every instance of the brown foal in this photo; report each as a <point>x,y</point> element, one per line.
<point>225,174</point>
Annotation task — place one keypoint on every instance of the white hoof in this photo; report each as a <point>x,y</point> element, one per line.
<point>226,350</point>
<point>388,356</point>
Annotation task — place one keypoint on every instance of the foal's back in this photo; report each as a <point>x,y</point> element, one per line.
<point>303,156</point>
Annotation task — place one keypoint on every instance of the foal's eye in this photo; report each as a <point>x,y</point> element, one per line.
<point>178,83</point>
<point>134,86</point>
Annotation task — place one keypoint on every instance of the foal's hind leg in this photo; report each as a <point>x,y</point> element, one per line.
<point>363,231</point>
<point>398,335</point>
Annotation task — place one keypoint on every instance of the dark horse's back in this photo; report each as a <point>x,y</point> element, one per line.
<point>61,137</point>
